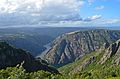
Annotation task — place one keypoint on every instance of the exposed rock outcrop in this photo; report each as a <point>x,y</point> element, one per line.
<point>112,51</point>
<point>72,46</point>
<point>104,58</point>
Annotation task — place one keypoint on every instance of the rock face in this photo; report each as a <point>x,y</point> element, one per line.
<point>112,51</point>
<point>11,56</point>
<point>72,46</point>
<point>102,58</point>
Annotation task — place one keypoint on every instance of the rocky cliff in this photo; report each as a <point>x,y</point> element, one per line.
<point>104,60</point>
<point>113,51</point>
<point>72,46</point>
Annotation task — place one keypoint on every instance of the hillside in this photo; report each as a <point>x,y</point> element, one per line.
<point>11,56</point>
<point>102,64</point>
<point>72,46</point>
<point>34,39</point>
<point>33,43</point>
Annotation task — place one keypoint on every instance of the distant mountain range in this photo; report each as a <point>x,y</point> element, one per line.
<point>34,39</point>
<point>81,54</point>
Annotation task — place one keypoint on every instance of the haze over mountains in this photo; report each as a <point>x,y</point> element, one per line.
<point>76,51</point>
<point>33,39</point>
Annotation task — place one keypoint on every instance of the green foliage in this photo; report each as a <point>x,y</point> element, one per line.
<point>91,71</point>
<point>94,70</point>
<point>114,78</point>
<point>106,71</point>
<point>19,72</point>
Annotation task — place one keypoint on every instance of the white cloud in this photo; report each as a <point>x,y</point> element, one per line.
<point>96,17</point>
<point>7,6</point>
<point>44,9</point>
<point>58,12</point>
<point>90,2</point>
<point>111,21</point>
<point>92,18</point>
<point>99,7</point>
<point>21,12</point>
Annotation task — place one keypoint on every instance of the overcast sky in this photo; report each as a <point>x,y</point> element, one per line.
<point>60,12</point>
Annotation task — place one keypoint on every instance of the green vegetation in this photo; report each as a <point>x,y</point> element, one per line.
<point>19,72</point>
<point>101,64</point>
<point>11,56</point>
<point>92,71</point>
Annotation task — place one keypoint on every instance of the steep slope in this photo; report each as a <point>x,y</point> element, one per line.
<point>34,43</point>
<point>112,52</point>
<point>10,57</point>
<point>102,64</point>
<point>72,46</point>
<point>34,39</point>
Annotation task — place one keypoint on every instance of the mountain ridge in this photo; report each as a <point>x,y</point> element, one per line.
<point>72,46</point>
<point>11,56</point>
<point>103,63</point>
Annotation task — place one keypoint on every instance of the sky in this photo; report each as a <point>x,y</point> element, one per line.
<point>60,12</point>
